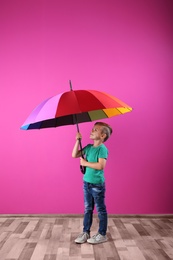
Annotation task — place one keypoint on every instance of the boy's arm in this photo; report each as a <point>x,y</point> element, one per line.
<point>100,165</point>
<point>76,152</point>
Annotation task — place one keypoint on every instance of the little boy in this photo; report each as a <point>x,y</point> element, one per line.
<point>94,182</point>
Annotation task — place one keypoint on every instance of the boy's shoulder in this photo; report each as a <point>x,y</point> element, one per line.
<point>103,146</point>
<point>88,146</point>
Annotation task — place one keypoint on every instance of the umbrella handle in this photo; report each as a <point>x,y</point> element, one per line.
<point>82,168</point>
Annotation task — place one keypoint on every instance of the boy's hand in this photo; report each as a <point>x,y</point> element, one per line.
<point>83,161</point>
<point>78,136</point>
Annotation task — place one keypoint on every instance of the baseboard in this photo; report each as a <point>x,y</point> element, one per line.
<point>81,215</point>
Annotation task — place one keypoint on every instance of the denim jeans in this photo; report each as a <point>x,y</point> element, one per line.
<point>94,194</point>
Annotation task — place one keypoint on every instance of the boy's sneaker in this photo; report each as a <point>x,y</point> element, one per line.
<point>96,239</point>
<point>82,238</point>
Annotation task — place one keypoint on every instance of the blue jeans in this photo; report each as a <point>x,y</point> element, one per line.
<point>94,194</point>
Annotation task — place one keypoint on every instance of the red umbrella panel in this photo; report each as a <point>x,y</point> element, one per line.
<point>75,106</point>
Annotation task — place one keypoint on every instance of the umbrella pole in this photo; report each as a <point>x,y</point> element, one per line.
<point>80,143</point>
<point>82,168</point>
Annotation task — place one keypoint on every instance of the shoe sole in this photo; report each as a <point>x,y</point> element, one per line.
<point>95,243</point>
<point>80,242</point>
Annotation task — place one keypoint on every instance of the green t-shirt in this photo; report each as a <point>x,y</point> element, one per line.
<point>92,154</point>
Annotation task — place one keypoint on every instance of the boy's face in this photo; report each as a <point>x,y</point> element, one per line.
<point>96,133</point>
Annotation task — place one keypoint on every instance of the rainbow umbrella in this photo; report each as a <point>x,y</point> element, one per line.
<point>74,107</point>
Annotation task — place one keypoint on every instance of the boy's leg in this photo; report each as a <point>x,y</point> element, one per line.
<point>98,192</point>
<point>88,215</point>
<point>89,206</point>
<point>99,199</point>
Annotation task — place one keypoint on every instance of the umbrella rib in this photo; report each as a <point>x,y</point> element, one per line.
<point>104,113</point>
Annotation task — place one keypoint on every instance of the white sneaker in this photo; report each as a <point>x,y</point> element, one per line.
<point>96,239</point>
<point>82,238</point>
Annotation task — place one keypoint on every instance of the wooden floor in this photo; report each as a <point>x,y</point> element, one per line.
<point>52,238</point>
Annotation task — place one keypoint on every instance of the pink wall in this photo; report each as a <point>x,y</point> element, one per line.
<point>121,47</point>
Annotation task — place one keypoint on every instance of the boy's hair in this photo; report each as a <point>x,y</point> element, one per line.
<point>106,129</point>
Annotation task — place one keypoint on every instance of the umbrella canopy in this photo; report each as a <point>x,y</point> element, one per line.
<point>75,106</point>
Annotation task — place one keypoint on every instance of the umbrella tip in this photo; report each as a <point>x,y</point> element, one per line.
<point>70,85</point>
